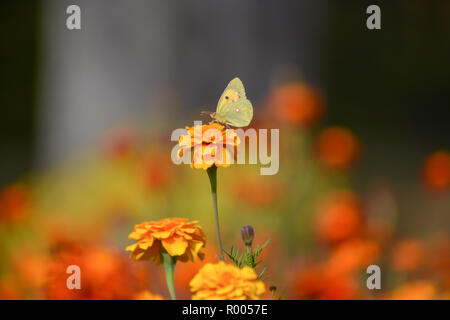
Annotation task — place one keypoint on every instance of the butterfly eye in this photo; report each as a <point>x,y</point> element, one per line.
<point>226,97</point>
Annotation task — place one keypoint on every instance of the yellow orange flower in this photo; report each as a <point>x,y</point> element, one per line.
<point>178,237</point>
<point>147,295</point>
<point>222,281</point>
<point>211,144</point>
<point>337,148</point>
<point>185,272</point>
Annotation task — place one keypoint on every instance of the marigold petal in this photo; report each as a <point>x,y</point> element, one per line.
<point>175,246</point>
<point>161,234</point>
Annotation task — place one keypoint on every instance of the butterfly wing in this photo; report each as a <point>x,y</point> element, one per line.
<point>234,91</point>
<point>239,113</point>
<point>233,107</point>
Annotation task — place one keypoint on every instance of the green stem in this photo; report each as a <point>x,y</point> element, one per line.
<point>249,261</point>
<point>212,174</point>
<point>169,267</point>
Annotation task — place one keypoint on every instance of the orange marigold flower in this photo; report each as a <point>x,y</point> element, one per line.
<point>315,282</point>
<point>147,295</point>
<point>297,104</point>
<point>352,256</point>
<point>408,255</point>
<point>105,273</point>
<point>14,203</point>
<point>222,281</point>
<point>417,290</point>
<point>211,144</point>
<point>178,237</point>
<point>337,148</point>
<point>340,217</point>
<point>10,289</point>
<point>436,172</point>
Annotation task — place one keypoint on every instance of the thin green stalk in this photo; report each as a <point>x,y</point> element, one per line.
<point>249,261</point>
<point>212,174</point>
<point>169,267</point>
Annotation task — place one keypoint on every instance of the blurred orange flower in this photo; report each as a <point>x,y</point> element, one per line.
<point>14,203</point>
<point>177,236</point>
<point>211,144</point>
<point>315,282</point>
<point>257,192</point>
<point>33,273</point>
<point>223,281</point>
<point>296,104</point>
<point>339,217</point>
<point>436,171</point>
<point>337,148</point>
<point>106,274</point>
<point>147,295</point>
<point>9,289</point>
<point>407,255</point>
<point>417,290</point>
<point>353,255</point>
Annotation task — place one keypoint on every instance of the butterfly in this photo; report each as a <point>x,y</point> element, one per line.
<point>233,107</point>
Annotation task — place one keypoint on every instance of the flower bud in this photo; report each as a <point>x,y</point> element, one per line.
<point>247,233</point>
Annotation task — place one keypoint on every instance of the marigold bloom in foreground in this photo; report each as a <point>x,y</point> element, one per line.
<point>222,281</point>
<point>147,295</point>
<point>211,144</point>
<point>178,237</point>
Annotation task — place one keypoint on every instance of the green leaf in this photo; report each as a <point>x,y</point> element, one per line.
<point>240,259</point>
<point>262,272</point>
<point>265,245</point>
